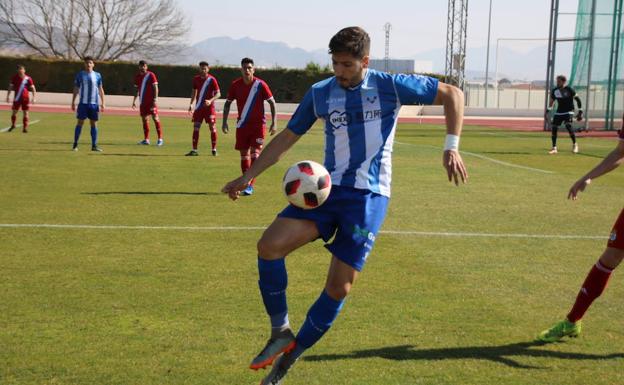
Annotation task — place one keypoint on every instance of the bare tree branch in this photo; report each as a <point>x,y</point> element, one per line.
<point>104,29</point>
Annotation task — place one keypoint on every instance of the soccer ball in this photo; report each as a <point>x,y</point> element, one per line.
<point>307,184</point>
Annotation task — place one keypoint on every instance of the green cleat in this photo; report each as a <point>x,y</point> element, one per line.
<point>559,330</point>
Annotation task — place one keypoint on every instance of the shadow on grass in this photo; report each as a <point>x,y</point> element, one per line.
<point>149,193</point>
<point>506,153</point>
<point>500,354</point>
<point>139,155</point>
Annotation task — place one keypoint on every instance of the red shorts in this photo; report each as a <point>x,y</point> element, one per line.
<point>250,136</point>
<point>148,109</point>
<point>24,103</point>
<point>204,114</point>
<point>616,239</point>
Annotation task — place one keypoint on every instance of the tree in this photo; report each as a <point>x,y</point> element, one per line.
<point>103,29</point>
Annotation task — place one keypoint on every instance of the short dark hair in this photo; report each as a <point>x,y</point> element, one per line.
<point>247,60</point>
<point>142,63</point>
<point>203,63</point>
<point>562,78</point>
<point>352,40</point>
<point>20,66</point>
<point>88,58</point>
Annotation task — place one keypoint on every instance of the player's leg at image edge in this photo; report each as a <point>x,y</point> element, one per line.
<point>593,286</point>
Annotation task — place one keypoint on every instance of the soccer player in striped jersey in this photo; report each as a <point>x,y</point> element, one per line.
<point>146,85</point>
<point>359,107</point>
<point>250,94</point>
<point>205,92</point>
<point>90,91</point>
<point>20,84</point>
<point>598,277</point>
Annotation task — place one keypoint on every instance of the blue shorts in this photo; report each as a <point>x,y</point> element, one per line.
<point>88,111</point>
<point>353,215</point>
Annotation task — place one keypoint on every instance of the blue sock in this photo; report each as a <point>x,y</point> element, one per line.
<point>77,132</point>
<point>318,321</point>
<point>273,282</point>
<point>94,133</point>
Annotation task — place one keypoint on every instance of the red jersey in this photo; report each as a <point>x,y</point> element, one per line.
<point>145,84</point>
<point>249,100</point>
<point>21,86</point>
<point>206,88</point>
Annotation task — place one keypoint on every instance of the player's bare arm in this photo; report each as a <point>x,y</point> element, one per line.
<point>452,99</point>
<point>9,92</point>
<point>74,95</point>
<point>269,156</point>
<point>136,95</point>
<point>155,95</point>
<point>226,111</point>
<point>272,129</point>
<point>102,104</point>
<point>34,93</point>
<point>610,163</point>
<point>208,102</point>
<point>193,96</point>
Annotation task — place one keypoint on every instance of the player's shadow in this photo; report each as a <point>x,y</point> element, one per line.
<point>131,154</point>
<point>502,354</point>
<point>149,193</point>
<point>506,153</point>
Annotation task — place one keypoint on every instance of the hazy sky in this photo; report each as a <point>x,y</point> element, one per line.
<point>417,25</point>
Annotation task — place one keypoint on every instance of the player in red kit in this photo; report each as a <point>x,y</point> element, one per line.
<point>146,84</point>
<point>205,92</point>
<point>20,84</point>
<point>597,278</point>
<point>250,94</point>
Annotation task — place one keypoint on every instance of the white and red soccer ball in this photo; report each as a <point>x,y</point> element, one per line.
<point>307,184</point>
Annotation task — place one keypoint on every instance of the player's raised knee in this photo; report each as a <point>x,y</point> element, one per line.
<point>270,247</point>
<point>338,290</point>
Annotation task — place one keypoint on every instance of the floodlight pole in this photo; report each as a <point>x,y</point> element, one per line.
<point>592,31</point>
<point>487,57</point>
<point>550,61</point>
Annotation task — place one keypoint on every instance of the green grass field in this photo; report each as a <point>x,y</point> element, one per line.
<point>171,306</point>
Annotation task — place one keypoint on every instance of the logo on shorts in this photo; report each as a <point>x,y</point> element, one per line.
<point>357,230</point>
<point>259,140</point>
<point>338,119</point>
<point>613,236</point>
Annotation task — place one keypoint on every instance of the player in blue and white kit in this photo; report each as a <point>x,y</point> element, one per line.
<point>360,108</point>
<point>88,85</point>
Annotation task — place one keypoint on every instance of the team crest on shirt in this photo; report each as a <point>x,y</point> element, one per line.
<point>338,119</point>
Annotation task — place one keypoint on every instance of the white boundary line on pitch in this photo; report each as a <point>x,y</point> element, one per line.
<point>485,158</point>
<point>237,228</point>
<point>19,125</point>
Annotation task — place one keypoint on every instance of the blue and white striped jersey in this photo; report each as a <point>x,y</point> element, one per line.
<point>88,84</point>
<point>360,123</point>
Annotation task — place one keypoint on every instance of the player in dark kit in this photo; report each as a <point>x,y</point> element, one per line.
<point>565,97</point>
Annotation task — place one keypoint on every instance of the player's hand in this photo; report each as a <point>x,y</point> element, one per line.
<point>272,129</point>
<point>225,128</point>
<point>73,107</point>
<point>578,187</point>
<point>102,107</point>
<point>207,103</point>
<point>454,166</point>
<point>134,106</point>
<point>234,188</point>
<point>32,101</point>
<point>579,116</point>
